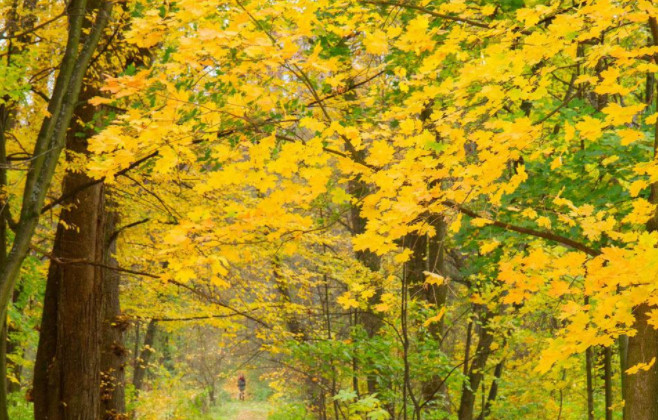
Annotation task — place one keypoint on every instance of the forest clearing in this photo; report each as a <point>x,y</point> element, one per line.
<point>328,209</point>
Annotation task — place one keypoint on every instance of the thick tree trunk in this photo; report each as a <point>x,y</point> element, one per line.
<point>67,378</point>
<point>641,389</point>
<point>67,369</point>
<point>51,137</point>
<point>49,142</point>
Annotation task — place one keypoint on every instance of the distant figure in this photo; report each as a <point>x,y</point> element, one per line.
<point>242,384</point>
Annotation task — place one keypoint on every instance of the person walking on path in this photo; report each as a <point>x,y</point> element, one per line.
<point>242,384</point>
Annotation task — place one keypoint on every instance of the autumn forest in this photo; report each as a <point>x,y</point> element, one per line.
<point>328,209</point>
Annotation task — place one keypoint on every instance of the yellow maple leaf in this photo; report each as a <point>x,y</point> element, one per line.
<point>99,100</point>
<point>380,153</point>
<point>628,136</point>
<point>433,278</point>
<point>347,301</point>
<point>544,221</point>
<point>637,186</point>
<point>376,43</point>
<point>640,366</point>
<point>480,222</point>
<point>618,115</point>
<point>590,128</point>
<point>435,318</point>
<point>489,246</point>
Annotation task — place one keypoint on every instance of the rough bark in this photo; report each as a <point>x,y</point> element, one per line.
<point>67,369</point>
<point>641,389</point>
<point>49,143</point>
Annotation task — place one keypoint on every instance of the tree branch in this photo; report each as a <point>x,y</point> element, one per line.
<point>551,236</point>
<point>428,11</point>
<point>116,233</point>
<point>349,89</point>
<point>35,28</point>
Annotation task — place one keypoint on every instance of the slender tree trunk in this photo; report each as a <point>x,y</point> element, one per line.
<point>475,371</point>
<point>493,390</point>
<point>623,353</point>
<point>141,365</point>
<point>436,295</point>
<point>607,369</point>
<point>4,415</point>
<point>369,320</point>
<point>590,385</point>
<point>113,352</point>
<point>7,113</point>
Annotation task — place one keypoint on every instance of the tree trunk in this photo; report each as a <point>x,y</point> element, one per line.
<point>475,372</point>
<point>50,140</point>
<point>67,369</point>
<point>369,320</point>
<point>141,363</point>
<point>607,368</point>
<point>52,137</point>
<point>589,355</point>
<point>113,352</point>
<point>641,389</point>
<point>13,22</point>
<point>437,296</point>
<point>493,390</point>
<point>413,284</point>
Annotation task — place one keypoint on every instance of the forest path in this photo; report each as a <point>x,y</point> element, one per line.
<point>244,410</point>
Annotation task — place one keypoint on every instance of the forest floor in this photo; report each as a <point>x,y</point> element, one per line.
<point>242,410</point>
